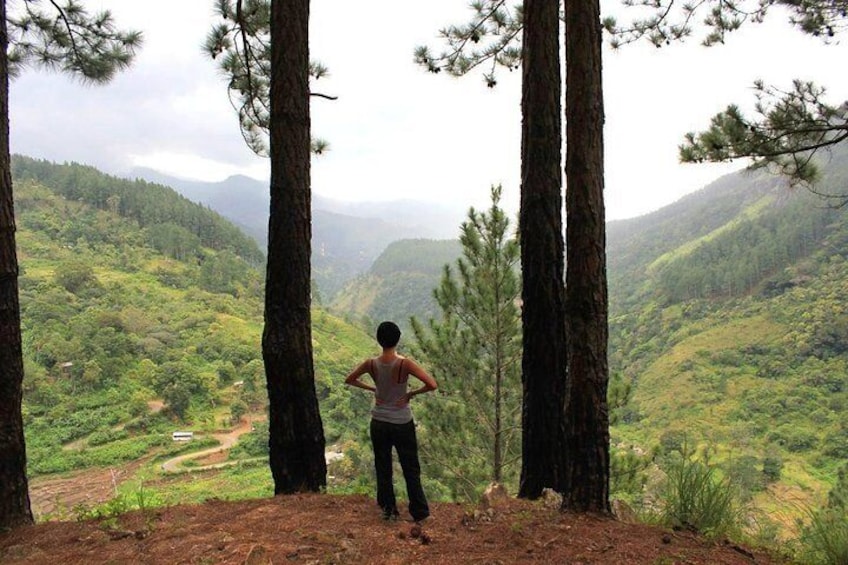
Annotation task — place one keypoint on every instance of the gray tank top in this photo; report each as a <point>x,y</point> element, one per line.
<point>390,389</point>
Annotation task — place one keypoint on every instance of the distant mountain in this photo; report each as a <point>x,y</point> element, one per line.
<point>347,236</point>
<point>179,223</point>
<point>400,283</point>
<point>240,199</point>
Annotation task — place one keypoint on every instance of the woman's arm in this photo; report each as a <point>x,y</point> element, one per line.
<point>414,369</point>
<point>364,368</point>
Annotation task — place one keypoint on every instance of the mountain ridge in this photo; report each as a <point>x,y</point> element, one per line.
<point>346,236</point>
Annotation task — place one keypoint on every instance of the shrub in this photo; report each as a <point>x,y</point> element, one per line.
<point>694,498</point>
<point>772,467</point>
<point>824,540</point>
<point>75,276</point>
<point>106,436</point>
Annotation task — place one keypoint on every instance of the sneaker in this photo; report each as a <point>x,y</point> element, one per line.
<point>391,515</point>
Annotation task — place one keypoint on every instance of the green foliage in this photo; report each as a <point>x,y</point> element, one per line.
<point>802,110</point>
<point>837,499</point>
<point>75,276</point>
<point>72,41</point>
<point>143,499</point>
<point>628,474</point>
<point>52,459</point>
<point>490,39</point>
<point>619,392</point>
<point>772,467</point>
<point>254,444</point>
<point>695,498</point>
<point>736,259</point>
<point>241,45</point>
<point>824,538</point>
<point>174,241</point>
<point>225,272</point>
<point>473,350</point>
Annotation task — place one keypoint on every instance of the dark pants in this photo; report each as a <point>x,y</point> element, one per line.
<point>384,436</point>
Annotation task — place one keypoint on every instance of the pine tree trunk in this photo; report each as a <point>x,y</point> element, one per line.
<point>497,460</point>
<point>540,226</point>
<point>586,415</point>
<point>14,493</point>
<point>296,431</point>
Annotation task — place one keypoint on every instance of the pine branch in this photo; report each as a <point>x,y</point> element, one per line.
<point>791,127</point>
<point>246,63</point>
<point>89,47</point>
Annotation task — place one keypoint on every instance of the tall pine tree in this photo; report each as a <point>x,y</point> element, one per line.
<point>529,37</point>
<point>550,432</point>
<point>296,432</point>
<point>475,348</point>
<point>65,37</point>
<point>542,254</point>
<point>587,464</point>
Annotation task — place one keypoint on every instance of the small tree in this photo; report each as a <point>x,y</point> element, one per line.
<point>75,276</point>
<point>475,349</point>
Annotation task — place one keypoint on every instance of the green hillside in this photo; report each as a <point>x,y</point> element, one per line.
<point>728,315</point>
<point>141,315</point>
<point>399,283</point>
<point>728,320</point>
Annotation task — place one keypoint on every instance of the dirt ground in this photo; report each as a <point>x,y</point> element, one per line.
<point>319,529</point>
<point>52,496</point>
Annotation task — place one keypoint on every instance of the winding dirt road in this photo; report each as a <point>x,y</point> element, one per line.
<point>226,440</point>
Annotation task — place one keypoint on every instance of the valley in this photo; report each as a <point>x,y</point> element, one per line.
<point>727,333</point>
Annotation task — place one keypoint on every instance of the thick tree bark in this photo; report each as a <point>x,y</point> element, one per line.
<point>296,431</point>
<point>586,414</point>
<point>14,493</point>
<point>540,224</point>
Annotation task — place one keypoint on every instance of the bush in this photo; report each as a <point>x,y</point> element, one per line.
<point>254,444</point>
<point>824,540</point>
<point>106,436</point>
<point>772,467</point>
<point>694,498</point>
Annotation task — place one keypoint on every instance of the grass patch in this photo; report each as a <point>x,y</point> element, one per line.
<point>824,539</point>
<point>694,497</point>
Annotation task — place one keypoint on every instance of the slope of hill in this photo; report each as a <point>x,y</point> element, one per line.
<point>181,226</point>
<point>729,318</point>
<point>400,282</point>
<point>115,316</point>
<point>346,236</point>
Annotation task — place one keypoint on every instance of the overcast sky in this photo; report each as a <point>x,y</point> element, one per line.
<point>396,131</point>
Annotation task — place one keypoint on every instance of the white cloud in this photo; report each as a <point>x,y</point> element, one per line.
<point>396,131</point>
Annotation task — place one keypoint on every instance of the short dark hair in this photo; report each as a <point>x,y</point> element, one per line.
<point>388,334</point>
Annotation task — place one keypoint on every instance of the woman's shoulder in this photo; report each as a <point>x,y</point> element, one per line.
<point>390,360</point>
